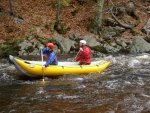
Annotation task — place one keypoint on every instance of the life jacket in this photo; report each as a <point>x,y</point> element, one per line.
<point>47,56</point>
<point>85,55</point>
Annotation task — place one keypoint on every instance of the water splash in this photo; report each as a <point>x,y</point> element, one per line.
<point>134,62</point>
<point>40,91</point>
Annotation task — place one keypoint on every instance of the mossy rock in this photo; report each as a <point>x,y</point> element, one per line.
<point>10,47</point>
<point>7,49</point>
<point>99,49</point>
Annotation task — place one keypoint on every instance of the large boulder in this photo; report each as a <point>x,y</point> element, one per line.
<point>139,45</point>
<point>146,28</point>
<point>65,44</point>
<point>91,41</point>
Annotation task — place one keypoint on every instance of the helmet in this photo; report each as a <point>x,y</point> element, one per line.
<point>50,45</point>
<point>83,42</point>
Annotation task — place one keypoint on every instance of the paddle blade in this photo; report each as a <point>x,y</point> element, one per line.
<point>43,82</point>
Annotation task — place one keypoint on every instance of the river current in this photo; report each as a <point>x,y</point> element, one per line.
<point>124,87</point>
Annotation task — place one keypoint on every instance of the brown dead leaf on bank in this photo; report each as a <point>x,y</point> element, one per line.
<point>37,13</point>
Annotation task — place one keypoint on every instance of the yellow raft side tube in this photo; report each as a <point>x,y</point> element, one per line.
<point>35,69</point>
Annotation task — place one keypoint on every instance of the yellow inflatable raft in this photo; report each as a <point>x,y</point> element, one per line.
<point>34,68</point>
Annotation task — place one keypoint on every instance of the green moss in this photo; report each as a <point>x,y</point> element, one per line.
<point>107,22</point>
<point>93,27</point>
<point>100,49</point>
<point>10,47</point>
<point>6,49</point>
<point>66,2</point>
<point>60,27</point>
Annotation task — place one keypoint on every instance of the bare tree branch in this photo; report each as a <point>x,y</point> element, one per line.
<point>121,24</point>
<point>116,19</point>
<point>135,3</point>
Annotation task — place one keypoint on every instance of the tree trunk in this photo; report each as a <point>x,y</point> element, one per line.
<point>99,13</point>
<point>10,6</point>
<point>95,26</point>
<point>58,11</point>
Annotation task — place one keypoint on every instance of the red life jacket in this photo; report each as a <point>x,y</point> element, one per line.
<point>85,55</point>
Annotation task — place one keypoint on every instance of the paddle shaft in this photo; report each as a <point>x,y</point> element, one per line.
<point>77,54</point>
<point>42,65</point>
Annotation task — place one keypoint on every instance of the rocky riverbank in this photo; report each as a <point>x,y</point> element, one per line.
<point>66,45</point>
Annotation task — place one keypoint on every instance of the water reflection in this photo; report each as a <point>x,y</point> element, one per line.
<point>122,87</point>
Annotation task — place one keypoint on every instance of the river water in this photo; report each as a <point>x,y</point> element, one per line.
<point>124,87</point>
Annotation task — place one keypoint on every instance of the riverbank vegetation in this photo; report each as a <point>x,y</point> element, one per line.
<point>22,19</point>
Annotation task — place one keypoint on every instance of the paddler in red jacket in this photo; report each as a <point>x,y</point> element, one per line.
<point>84,56</point>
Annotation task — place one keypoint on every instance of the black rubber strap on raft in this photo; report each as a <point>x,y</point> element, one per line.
<point>81,66</point>
<point>27,62</point>
<point>62,67</point>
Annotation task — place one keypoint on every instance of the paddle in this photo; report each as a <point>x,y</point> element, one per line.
<point>42,66</point>
<point>77,55</point>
